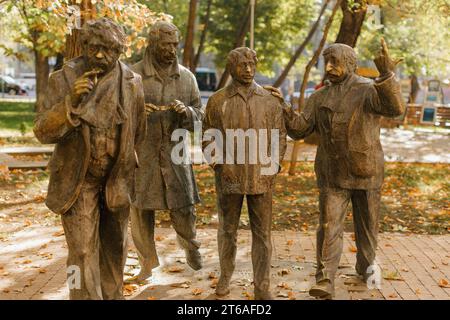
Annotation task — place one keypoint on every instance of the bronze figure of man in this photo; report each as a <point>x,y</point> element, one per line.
<point>242,108</point>
<point>349,163</point>
<point>172,102</point>
<point>94,114</point>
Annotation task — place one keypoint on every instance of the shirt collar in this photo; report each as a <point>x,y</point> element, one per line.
<point>234,89</point>
<point>149,68</point>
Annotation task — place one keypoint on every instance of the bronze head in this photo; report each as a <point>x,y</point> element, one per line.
<point>242,65</point>
<point>163,42</point>
<point>102,41</point>
<point>340,61</point>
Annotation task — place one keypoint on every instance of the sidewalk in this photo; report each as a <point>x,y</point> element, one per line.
<point>32,266</point>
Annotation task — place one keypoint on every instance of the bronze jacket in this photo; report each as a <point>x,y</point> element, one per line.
<point>229,108</point>
<point>346,117</point>
<point>70,159</point>
<point>161,183</point>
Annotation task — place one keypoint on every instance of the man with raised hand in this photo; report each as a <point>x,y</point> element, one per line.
<point>349,164</point>
<point>94,113</point>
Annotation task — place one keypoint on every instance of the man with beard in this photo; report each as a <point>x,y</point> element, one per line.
<point>94,113</point>
<point>349,163</point>
<point>172,102</point>
<point>243,108</point>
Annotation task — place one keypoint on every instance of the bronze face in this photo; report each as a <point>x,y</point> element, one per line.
<point>335,69</point>
<point>99,55</point>
<point>165,50</point>
<point>244,70</point>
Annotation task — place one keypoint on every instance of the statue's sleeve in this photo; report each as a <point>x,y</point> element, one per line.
<point>384,97</point>
<point>209,127</point>
<point>54,119</point>
<point>299,125</point>
<point>141,129</point>
<point>281,126</point>
<point>195,112</point>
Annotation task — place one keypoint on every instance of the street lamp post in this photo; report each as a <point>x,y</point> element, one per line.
<point>252,24</point>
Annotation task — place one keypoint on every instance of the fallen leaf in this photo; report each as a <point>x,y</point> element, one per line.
<point>284,285</point>
<point>129,289</point>
<point>42,270</point>
<point>290,242</point>
<point>392,275</point>
<point>443,283</point>
<point>58,234</point>
<point>214,283</point>
<point>212,275</point>
<point>197,291</point>
<point>283,272</point>
<point>175,269</point>
<point>152,298</point>
<point>393,295</point>
<point>291,295</point>
<point>352,249</point>
<point>159,238</point>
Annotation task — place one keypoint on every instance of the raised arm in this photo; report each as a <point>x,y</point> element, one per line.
<point>385,97</point>
<point>54,120</point>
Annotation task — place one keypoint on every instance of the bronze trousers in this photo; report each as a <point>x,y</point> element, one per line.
<point>97,243</point>
<point>143,232</point>
<point>260,214</point>
<point>333,203</point>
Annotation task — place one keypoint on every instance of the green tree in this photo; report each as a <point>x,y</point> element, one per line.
<point>42,26</point>
<point>278,27</point>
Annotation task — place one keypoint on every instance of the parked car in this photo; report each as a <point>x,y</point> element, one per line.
<point>206,80</point>
<point>10,86</point>
<point>27,81</point>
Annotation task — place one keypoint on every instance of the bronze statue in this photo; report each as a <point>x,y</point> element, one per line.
<point>172,102</point>
<point>349,163</point>
<point>94,113</point>
<point>241,108</point>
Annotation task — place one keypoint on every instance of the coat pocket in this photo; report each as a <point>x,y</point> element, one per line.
<point>362,163</point>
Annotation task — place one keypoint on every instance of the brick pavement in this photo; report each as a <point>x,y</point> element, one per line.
<point>32,266</point>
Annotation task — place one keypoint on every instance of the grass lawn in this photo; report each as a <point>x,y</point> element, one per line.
<point>15,115</point>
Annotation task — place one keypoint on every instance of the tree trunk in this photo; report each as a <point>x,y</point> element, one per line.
<point>188,52</point>
<point>415,88</point>
<point>73,45</point>
<point>351,23</point>
<point>308,68</point>
<point>239,41</point>
<point>42,71</point>
<point>203,36</point>
<point>300,49</point>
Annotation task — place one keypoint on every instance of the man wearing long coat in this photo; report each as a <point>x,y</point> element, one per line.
<point>349,163</point>
<point>94,114</point>
<point>172,102</point>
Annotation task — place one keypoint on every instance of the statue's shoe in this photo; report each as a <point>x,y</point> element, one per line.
<point>194,259</point>
<point>322,290</point>
<point>223,287</point>
<point>263,295</point>
<point>141,277</point>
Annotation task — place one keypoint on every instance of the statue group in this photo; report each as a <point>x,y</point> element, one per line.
<point>112,127</point>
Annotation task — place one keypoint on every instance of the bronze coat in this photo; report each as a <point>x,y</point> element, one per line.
<point>160,183</point>
<point>346,117</point>
<point>228,108</point>
<point>70,159</point>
